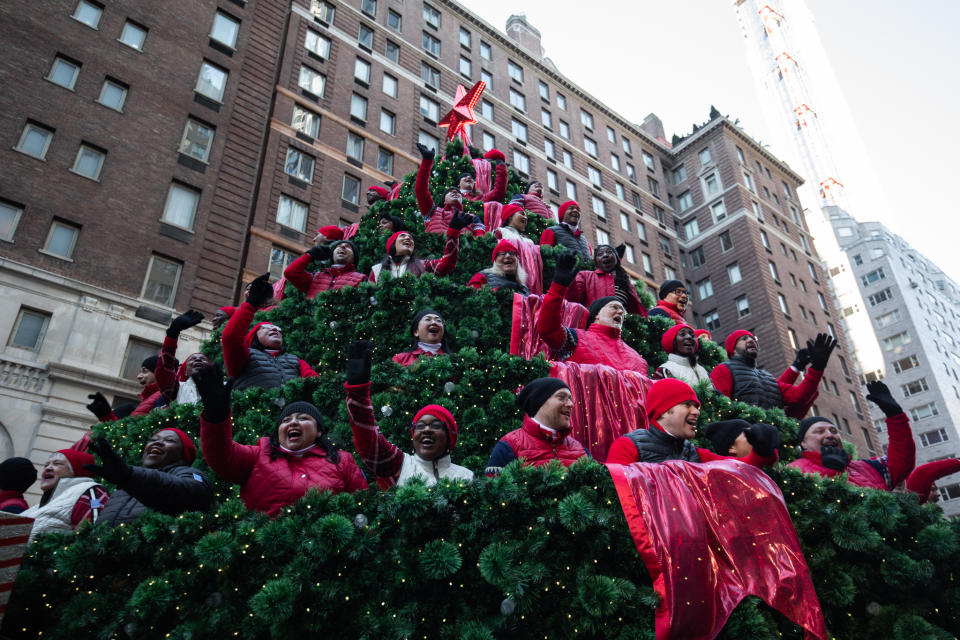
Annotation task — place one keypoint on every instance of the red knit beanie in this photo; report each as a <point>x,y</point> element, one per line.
<point>504,246</point>
<point>379,190</point>
<point>228,310</point>
<point>189,449</point>
<point>666,394</point>
<point>332,232</point>
<point>394,237</point>
<point>495,154</point>
<point>923,476</point>
<point>699,333</point>
<point>671,335</point>
<point>731,340</point>
<point>77,459</point>
<point>445,416</point>
<point>507,211</point>
<point>248,341</point>
<point>562,209</point>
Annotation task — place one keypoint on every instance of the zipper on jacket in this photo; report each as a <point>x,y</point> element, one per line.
<point>436,471</point>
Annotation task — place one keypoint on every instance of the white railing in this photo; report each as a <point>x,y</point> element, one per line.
<point>23,376</point>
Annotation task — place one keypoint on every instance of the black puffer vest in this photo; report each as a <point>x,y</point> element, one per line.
<point>566,238</point>
<point>267,371</point>
<point>754,386</point>
<point>495,282</point>
<point>656,445</point>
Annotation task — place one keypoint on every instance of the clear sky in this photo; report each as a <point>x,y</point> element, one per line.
<point>897,62</point>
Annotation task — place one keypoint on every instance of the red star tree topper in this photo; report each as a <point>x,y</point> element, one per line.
<point>462,113</point>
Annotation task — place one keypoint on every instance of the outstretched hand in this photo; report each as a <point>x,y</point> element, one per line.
<point>566,268</point>
<point>460,220</point>
<point>359,359</point>
<point>99,407</point>
<point>214,394</point>
<point>835,458</point>
<point>801,360</point>
<point>183,322</point>
<point>879,394</point>
<point>319,253</point>
<point>425,153</point>
<point>820,350</point>
<point>260,291</point>
<point>112,467</point>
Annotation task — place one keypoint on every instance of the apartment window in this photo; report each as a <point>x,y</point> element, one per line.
<point>783,304</point>
<point>361,70</point>
<point>369,7</point>
<point>562,101</point>
<point>625,144</point>
<point>89,161</point>
<point>704,157</point>
<point>631,173</point>
<point>385,160</point>
<point>684,201</point>
<point>665,246</point>
<point>549,149</point>
<point>429,109</point>
<point>465,67</point>
<point>624,221</point>
<point>212,81</point>
<point>712,320</point>
<point>545,119</point>
<point>648,161</point>
<point>365,36</point>
<point>431,16</point>
<point>812,270</point>
<point>552,180</point>
<point>515,71</point>
<point>29,329</point>
<point>311,81</point>
<point>743,306</point>
<point>197,139</point>
<point>389,85</point>
<point>874,276</point>
<point>430,75</point>
<point>317,43</point>
<point>133,35</point>
<point>521,162</point>
<point>355,146</point>
<point>388,122</point>
<point>163,277</point>
<point>35,140</point>
<point>764,239</point>
<point>518,100</point>
<point>719,210</point>
<point>602,237</point>
<point>350,190</point>
<point>615,161</point>
<point>567,159</point>
<point>726,242</point>
<point>926,411</point>
<point>64,72</point>
<point>704,289</point>
<point>304,121</point>
<point>394,20</point>
<point>621,192</point>
<point>905,364</point>
<point>795,343</point>
<point>629,254</point>
<point>691,229</point>
<point>485,51</point>
<point>225,29</point>
<point>586,119</point>
<point>679,174</point>
<point>571,190</point>
<point>518,129</point>
<point>292,213</point>
<point>9,218</point>
<point>897,340</point>
<point>113,94</point>
<point>654,187</point>
<point>299,165</point>
<point>594,176</point>
<point>486,110</point>
<point>766,194</point>
<point>611,135</point>
<point>464,38</point>
<point>748,180</point>
<point>544,90</point>
<point>279,261</point>
<point>391,51</point>
<point>358,107</point>
<point>803,244</point>
<point>88,13</point>
<point>489,142</point>
<point>181,206</point>
<point>711,184</point>
<point>914,387</point>
<point>733,272</point>
<point>773,271</point>
<point>669,273</point>
<point>888,318</point>
<point>647,264</point>
<point>880,296</point>
<point>599,206</point>
<point>430,44</point>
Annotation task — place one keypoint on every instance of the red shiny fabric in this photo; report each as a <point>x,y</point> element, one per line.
<point>711,534</point>
<point>533,204</point>
<point>491,215</point>
<point>524,339</point>
<point>608,403</point>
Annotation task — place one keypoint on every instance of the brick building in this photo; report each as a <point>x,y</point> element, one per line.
<point>157,160</point>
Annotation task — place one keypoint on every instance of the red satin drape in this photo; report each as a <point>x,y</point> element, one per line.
<point>711,534</point>
<point>524,339</point>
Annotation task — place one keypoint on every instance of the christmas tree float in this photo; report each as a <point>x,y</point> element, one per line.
<point>535,553</point>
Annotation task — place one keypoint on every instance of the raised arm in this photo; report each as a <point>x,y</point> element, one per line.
<point>901,448</point>
<point>548,320</point>
<point>231,461</point>
<point>421,188</point>
<point>296,273</point>
<point>499,190</point>
<point>448,262</point>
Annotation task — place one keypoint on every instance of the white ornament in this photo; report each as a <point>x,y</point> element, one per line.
<point>386,410</point>
<point>334,324</point>
<point>360,521</point>
<point>449,387</point>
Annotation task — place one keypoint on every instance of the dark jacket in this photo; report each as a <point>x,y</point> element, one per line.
<point>171,490</point>
<point>752,385</point>
<point>267,371</point>
<point>561,234</point>
<point>656,445</point>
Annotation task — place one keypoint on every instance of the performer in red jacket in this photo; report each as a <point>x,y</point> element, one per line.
<point>438,218</point>
<point>608,279</point>
<point>342,271</point>
<point>428,338</point>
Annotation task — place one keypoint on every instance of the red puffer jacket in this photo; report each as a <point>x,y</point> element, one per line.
<point>270,485</point>
<point>313,283</point>
<point>593,285</point>
<point>528,442</point>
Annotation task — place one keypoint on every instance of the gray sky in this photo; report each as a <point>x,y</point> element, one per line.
<point>896,60</point>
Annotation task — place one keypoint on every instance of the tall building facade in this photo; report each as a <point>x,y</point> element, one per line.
<point>915,309</point>
<point>158,160</point>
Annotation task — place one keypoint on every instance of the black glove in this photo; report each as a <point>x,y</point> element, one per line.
<point>112,467</point>
<point>460,220</point>
<point>801,360</point>
<point>425,153</point>
<point>183,322</point>
<point>260,291</point>
<point>820,350</point>
<point>880,395</point>
<point>764,438</point>
<point>99,407</point>
<point>214,394</point>
<point>835,458</point>
<point>566,268</point>
<point>359,354</point>
<point>320,252</point>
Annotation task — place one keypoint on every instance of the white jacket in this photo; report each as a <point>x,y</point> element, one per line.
<point>55,515</point>
<point>416,467</point>
<point>678,367</point>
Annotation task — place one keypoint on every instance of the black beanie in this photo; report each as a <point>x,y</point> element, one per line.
<point>353,246</point>
<point>599,304</point>
<point>150,363</point>
<point>398,224</point>
<point>669,287</point>
<point>17,474</point>
<point>723,434</point>
<point>465,174</point>
<point>538,391</point>
<point>302,406</point>
<point>806,423</point>
<point>444,347</point>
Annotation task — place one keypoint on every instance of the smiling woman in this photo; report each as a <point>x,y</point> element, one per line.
<point>429,337</point>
